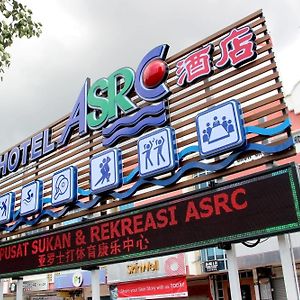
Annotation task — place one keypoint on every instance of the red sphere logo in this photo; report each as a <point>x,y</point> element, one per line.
<point>155,73</point>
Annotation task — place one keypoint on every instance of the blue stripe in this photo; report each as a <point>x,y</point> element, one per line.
<point>269,131</point>
<point>135,130</point>
<point>83,192</point>
<point>132,120</point>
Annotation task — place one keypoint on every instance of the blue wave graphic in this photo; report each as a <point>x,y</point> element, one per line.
<point>270,149</point>
<point>83,192</point>
<point>192,149</point>
<point>47,200</point>
<point>89,204</point>
<point>188,150</point>
<point>131,120</point>
<point>16,214</point>
<point>203,166</point>
<point>164,182</point>
<point>132,174</point>
<point>49,213</point>
<point>133,131</point>
<point>44,213</point>
<point>269,131</point>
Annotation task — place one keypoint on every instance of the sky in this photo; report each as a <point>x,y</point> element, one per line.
<point>93,38</point>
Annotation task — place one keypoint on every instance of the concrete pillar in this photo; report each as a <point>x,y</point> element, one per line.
<point>233,274</point>
<point>19,293</point>
<point>256,284</point>
<point>288,267</point>
<point>95,284</point>
<point>1,289</point>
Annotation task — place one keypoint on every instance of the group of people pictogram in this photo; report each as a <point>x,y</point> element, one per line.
<point>226,124</point>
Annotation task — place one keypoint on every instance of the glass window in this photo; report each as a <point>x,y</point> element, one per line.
<point>215,254</point>
<point>203,255</point>
<point>221,264</point>
<point>211,254</point>
<point>220,253</point>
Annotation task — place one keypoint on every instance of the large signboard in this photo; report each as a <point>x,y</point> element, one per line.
<point>249,208</point>
<point>174,116</point>
<point>144,134</point>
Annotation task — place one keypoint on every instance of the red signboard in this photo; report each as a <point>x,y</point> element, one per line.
<point>154,289</point>
<point>244,209</point>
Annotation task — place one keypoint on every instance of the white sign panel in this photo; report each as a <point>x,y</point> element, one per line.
<point>220,128</point>
<point>6,207</point>
<point>106,170</point>
<point>157,152</point>
<point>165,266</point>
<point>64,186</point>
<point>31,198</point>
<point>36,285</point>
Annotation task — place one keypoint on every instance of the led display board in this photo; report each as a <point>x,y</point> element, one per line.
<point>256,206</point>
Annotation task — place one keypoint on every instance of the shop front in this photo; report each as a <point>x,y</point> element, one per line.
<point>247,288</point>
<point>35,289</point>
<point>76,285</point>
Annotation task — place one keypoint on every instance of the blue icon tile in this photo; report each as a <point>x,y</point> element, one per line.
<point>157,152</point>
<point>220,129</point>
<point>106,171</point>
<point>31,198</point>
<point>7,203</point>
<point>64,186</point>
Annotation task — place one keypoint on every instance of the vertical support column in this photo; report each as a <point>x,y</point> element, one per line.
<point>212,285</point>
<point>233,274</point>
<point>95,284</point>
<point>1,290</point>
<point>19,294</point>
<point>256,284</point>
<point>288,267</point>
